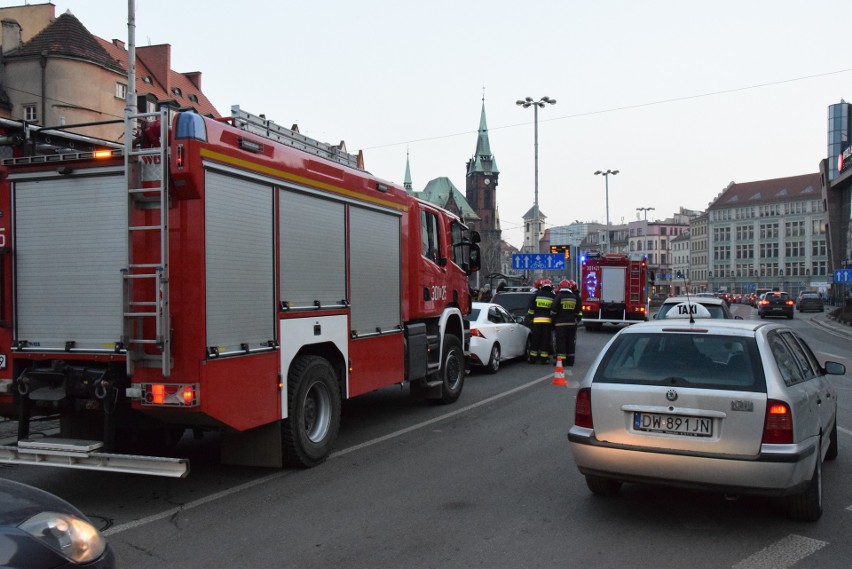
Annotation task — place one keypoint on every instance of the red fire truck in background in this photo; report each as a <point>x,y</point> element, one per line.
<point>223,275</point>
<point>612,289</point>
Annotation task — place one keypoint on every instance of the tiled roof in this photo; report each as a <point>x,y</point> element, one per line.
<point>66,36</point>
<point>778,190</point>
<point>531,213</point>
<point>163,82</point>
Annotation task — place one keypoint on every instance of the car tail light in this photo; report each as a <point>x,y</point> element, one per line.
<point>778,426</point>
<point>790,303</point>
<point>763,302</point>
<point>476,332</point>
<point>583,408</point>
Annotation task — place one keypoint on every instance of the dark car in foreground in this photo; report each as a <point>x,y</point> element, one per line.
<point>809,301</point>
<point>776,303</point>
<point>732,406</point>
<point>41,531</point>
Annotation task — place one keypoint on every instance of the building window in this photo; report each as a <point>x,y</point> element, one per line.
<point>30,113</point>
<point>120,91</point>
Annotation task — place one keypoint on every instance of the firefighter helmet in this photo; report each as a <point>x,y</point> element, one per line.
<point>537,284</point>
<point>572,286</point>
<point>546,283</point>
<point>564,284</point>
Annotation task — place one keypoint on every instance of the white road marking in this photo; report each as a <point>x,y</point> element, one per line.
<point>783,553</point>
<point>842,430</point>
<point>236,489</point>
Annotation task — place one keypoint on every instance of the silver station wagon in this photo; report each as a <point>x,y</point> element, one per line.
<point>740,407</point>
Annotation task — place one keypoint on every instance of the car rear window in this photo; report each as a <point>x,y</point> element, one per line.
<point>474,314</point>
<point>683,360</point>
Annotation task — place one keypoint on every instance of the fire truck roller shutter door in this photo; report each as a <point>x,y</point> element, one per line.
<point>240,264</point>
<point>375,270</point>
<point>313,250</point>
<point>68,289</point>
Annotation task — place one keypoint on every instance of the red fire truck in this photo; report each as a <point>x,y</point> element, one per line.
<point>222,275</point>
<point>612,289</point>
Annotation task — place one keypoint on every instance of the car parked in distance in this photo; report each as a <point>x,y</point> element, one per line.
<point>516,302</point>
<point>716,307</point>
<point>776,303</point>
<point>495,336</point>
<point>809,300</point>
<point>39,531</point>
<point>734,406</point>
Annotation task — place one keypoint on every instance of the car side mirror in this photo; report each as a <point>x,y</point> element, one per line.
<point>834,368</point>
<point>738,317</point>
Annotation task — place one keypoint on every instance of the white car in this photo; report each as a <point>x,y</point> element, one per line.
<point>495,336</point>
<point>735,406</point>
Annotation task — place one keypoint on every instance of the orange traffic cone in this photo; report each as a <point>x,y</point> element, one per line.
<point>559,373</point>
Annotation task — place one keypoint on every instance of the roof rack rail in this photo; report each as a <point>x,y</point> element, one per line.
<point>261,126</point>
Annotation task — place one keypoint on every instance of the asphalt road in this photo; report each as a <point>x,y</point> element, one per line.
<point>486,482</point>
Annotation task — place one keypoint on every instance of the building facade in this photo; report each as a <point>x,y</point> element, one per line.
<point>768,234</point>
<point>55,73</point>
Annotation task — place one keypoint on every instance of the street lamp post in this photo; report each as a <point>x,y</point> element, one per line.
<point>606,176</point>
<point>646,210</point>
<point>527,103</point>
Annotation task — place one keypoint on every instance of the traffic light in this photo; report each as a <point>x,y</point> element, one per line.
<point>564,249</point>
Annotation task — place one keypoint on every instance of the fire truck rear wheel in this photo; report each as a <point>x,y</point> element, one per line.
<point>452,370</point>
<point>313,412</point>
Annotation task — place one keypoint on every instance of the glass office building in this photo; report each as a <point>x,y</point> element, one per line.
<point>839,129</point>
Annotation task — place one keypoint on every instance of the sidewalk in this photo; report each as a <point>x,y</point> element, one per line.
<point>826,322</point>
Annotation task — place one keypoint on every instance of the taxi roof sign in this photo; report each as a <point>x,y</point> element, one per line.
<point>687,310</point>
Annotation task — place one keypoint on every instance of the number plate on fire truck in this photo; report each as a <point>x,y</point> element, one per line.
<point>673,424</point>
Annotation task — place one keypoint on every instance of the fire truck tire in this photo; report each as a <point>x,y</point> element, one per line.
<point>313,413</point>
<point>452,370</point>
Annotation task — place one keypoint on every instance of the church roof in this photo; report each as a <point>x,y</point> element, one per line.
<point>441,192</point>
<point>483,160</point>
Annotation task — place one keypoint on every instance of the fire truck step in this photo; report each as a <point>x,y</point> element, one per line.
<point>78,454</point>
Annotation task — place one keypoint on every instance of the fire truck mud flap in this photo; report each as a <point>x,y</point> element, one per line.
<point>313,396</point>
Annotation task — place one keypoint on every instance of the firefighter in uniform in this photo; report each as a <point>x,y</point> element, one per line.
<point>566,317</point>
<point>542,323</point>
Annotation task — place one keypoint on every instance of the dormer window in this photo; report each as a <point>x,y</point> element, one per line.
<point>147,79</point>
<point>193,97</point>
<point>177,92</point>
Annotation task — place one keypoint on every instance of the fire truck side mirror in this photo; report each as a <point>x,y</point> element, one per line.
<point>474,259</point>
<point>474,237</point>
<point>652,278</point>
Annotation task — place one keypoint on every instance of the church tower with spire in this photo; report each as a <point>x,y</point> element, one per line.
<point>481,192</point>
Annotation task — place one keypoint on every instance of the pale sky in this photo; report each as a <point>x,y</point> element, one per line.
<point>681,96</point>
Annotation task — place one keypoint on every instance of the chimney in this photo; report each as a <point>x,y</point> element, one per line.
<point>11,35</point>
<point>194,78</point>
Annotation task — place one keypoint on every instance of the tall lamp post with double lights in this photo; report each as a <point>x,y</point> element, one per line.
<point>646,210</point>
<point>606,175</point>
<point>527,103</point>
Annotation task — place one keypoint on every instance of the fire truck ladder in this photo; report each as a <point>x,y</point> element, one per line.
<point>635,284</point>
<point>146,284</point>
